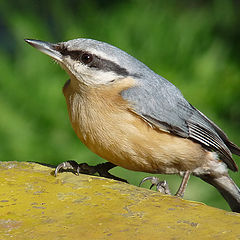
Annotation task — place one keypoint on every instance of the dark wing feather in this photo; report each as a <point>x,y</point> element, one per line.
<point>232,147</point>
<point>163,105</point>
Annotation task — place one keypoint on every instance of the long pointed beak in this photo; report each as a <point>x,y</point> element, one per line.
<point>48,48</point>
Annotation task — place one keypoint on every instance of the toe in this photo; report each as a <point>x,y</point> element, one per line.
<point>68,165</point>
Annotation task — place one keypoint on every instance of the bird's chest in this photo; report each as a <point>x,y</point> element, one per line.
<point>90,121</point>
<point>102,125</point>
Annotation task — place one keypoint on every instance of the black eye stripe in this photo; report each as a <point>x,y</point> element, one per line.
<point>62,49</point>
<point>107,65</point>
<point>97,62</point>
<point>75,55</point>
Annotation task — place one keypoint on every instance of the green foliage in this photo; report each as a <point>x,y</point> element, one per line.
<point>194,44</point>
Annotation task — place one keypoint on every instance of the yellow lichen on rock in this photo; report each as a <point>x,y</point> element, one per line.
<point>36,205</point>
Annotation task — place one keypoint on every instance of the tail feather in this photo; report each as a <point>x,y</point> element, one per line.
<point>233,148</point>
<point>228,189</point>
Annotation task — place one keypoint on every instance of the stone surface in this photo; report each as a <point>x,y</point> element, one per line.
<point>36,205</point>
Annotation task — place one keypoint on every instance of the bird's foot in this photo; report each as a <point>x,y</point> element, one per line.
<point>161,186</point>
<point>101,169</point>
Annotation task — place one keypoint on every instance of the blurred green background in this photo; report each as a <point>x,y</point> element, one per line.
<point>194,44</point>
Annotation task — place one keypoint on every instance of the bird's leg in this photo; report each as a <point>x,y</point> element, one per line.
<point>102,169</point>
<point>162,186</point>
<point>181,190</point>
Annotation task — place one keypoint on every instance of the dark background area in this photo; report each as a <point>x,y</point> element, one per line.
<point>194,44</point>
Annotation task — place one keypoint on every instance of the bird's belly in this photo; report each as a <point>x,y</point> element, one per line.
<point>129,142</point>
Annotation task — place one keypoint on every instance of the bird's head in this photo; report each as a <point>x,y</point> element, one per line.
<point>91,62</point>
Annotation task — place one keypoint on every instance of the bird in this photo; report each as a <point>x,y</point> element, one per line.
<point>134,118</point>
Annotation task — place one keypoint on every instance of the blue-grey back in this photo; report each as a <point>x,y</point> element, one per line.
<point>160,103</point>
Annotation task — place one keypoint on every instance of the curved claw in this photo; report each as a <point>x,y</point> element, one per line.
<point>151,186</point>
<point>60,166</point>
<point>161,186</point>
<point>67,165</point>
<point>154,181</point>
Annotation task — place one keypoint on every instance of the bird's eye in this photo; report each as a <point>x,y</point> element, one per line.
<point>86,58</point>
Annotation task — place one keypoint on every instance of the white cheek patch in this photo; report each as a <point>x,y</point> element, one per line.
<point>100,77</point>
<point>87,75</point>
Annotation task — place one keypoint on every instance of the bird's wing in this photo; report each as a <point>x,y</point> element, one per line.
<point>161,104</point>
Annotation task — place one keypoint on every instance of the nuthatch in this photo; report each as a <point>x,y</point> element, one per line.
<point>134,118</point>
